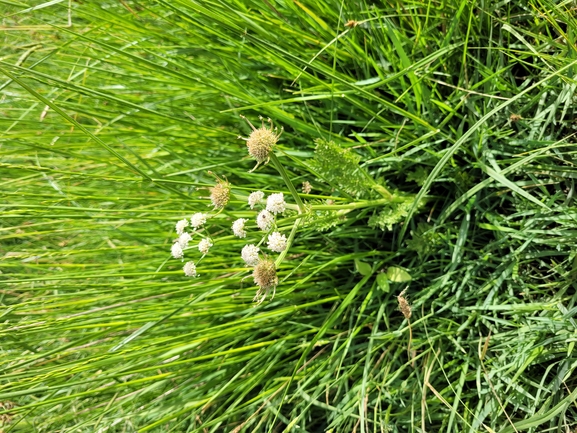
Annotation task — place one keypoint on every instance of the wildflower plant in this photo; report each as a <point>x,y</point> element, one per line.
<point>353,187</point>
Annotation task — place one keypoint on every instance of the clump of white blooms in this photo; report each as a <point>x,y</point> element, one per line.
<point>176,251</point>
<point>277,242</point>
<point>264,220</point>
<point>204,245</point>
<point>249,254</point>
<point>255,198</point>
<point>238,227</point>
<point>275,203</point>
<point>180,226</point>
<point>184,239</point>
<point>198,219</point>
<point>189,269</point>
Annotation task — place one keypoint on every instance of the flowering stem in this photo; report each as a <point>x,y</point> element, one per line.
<point>349,206</point>
<point>289,184</point>
<point>290,239</point>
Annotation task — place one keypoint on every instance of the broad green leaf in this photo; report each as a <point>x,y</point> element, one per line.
<point>398,275</point>
<point>383,282</point>
<point>363,268</point>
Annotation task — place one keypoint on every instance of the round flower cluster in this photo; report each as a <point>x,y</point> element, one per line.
<point>255,198</point>
<point>277,242</point>
<point>238,227</point>
<point>180,226</point>
<point>197,220</point>
<point>275,203</point>
<point>204,245</point>
<point>249,254</point>
<point>189,269</point>
<point>264,220</point>
<point>261,141</point>
<point>184,239</point>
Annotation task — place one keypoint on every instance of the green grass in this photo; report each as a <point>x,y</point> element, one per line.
<point>453,126</point>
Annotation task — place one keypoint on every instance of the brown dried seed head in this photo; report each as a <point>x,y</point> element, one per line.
<point>260,143</point>
<point>264,275</point>
<point>404,305</point>
<point>220,194</point>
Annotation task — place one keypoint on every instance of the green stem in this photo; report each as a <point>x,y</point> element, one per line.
<point>355,205</point>
<point>290,239</point>
<point>290,186</point>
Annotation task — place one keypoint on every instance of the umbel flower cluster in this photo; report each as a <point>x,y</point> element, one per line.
<point>266,210</point>
<point>260,145</point>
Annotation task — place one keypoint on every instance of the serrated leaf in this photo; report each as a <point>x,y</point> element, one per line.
<point>398,275</point>
<point>392,213</point>
<point>363,268</point>
<point>383,282</point>
<point>340,168</point>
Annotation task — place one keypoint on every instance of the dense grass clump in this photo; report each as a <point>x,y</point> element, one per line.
<point>427,166</point>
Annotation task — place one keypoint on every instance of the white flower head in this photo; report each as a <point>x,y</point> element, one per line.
<point>189,269</point>
<point>249,254</point>
<point>255,198</point>
<point>184,239</point>
<point>275,203</point>
<point>238,227</point>
<point>204,245</point>
<point>198,219</point>
<point>180,226</point>
<point>277,242</point>
<point>176,251</point>
<point>264,220</point>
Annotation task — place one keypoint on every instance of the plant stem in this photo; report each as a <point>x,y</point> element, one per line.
<point>290,186</point>
<point>290,239</point>
<point>349,206</point>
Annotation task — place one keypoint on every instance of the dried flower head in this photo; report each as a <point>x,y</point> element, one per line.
<point>264,220</point>
<point>189,269</point>
<point>204,245</point>
<point>184,239</point>
<point>277,242</point>
<point>249,254</point>
<point>275,203</point>
<point>198,219</point>
<point>180,226</point>
<point>255,198</point>
<point>220,193</point>
<point>176,251</point>
<point>238,227</point>
<point>307,187</point>
<point>404,305</point>
<point>265,278</point>
<point>261,141</point>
